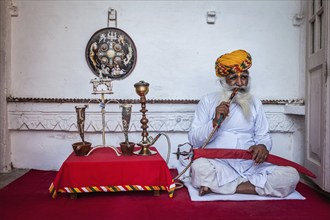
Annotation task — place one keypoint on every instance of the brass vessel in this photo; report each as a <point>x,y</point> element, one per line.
<point>142,89</point>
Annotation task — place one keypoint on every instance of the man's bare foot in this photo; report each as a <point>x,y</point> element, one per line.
<point>204,190</point>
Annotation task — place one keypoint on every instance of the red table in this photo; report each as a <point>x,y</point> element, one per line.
<point>104,171</point>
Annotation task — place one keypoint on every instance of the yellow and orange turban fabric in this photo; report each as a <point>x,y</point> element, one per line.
<point>234,62</point>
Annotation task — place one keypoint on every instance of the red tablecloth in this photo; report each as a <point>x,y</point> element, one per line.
<point>104,171</point>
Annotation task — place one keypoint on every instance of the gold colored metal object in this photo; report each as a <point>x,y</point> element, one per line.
<point>142,89</point>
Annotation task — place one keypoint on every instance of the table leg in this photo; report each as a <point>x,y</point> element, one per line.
<point>156,192</point>
<point>73,195</point>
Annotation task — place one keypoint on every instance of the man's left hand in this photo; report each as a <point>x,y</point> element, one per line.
<point>259,153</point>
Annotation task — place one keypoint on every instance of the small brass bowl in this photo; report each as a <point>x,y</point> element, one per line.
<point>125,149</point>
<point>141,88</point>
<point>81,148</point>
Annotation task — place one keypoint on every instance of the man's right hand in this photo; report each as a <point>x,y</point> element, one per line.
<point>222,109</point>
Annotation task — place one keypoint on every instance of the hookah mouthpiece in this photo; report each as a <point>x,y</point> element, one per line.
<point>233,94</point>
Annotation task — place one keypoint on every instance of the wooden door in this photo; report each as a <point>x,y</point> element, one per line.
<point>317,97</point>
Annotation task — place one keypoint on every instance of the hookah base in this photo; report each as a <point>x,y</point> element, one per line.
<point>145,151</point>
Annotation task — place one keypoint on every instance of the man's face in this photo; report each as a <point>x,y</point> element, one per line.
<point>238,79</point>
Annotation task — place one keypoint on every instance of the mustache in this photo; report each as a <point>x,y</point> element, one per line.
<point>242,89</point>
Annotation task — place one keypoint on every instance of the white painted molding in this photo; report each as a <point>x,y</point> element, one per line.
<point>65,121</point>
<point>168,120</point>
<point>294,109</point>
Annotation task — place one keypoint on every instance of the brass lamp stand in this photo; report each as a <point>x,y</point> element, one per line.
<point>142,89</point>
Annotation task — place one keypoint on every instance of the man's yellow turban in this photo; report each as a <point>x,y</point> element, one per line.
<point>234,62</point>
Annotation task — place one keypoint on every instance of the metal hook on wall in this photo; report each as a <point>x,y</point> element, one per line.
<point>112,16</point>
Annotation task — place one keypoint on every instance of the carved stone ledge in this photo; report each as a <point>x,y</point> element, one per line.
<point>165,121</point>
<point>280,123</point>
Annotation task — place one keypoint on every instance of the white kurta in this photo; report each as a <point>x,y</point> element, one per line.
<point>236,132</point>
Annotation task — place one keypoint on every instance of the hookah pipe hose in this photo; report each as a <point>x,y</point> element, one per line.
<point>211,134</point>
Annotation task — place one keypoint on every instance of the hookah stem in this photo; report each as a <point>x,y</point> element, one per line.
<point>210,136</point>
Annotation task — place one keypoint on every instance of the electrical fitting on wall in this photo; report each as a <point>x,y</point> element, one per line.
<point>211,17</point>
<point>298,19</point>
<point>13,9</point>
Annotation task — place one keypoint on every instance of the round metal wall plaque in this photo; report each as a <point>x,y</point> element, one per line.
<point>111,53</point>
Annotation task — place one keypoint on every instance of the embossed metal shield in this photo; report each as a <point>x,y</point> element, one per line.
<point>111,53</point>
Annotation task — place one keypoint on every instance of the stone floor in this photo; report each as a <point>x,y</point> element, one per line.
<point>6,178</point>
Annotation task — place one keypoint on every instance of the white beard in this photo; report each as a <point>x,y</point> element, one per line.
<point>242,98</point>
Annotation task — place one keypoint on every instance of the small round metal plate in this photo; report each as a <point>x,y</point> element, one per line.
<point>111,53</point>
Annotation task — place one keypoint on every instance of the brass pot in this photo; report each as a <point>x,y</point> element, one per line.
<point>81,148</point>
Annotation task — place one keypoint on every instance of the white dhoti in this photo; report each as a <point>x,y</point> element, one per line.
<point>280,182</point>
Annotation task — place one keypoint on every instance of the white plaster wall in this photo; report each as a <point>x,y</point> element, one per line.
<point>42,134</point>
<point>176,53</point>
<point>176,47</point>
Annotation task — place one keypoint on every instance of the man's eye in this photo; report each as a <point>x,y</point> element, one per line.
<point>233,78</point>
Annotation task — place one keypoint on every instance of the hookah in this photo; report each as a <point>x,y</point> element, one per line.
<point>142,89</point>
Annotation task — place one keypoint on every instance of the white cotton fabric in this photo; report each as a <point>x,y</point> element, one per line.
<point>193,192</point>
<point>236,132</point>
<point>280,183</point>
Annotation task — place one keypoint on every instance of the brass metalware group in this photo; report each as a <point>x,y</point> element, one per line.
<point>83,147</point>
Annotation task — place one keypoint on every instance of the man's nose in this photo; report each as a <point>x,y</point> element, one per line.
<point>239,81</point>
